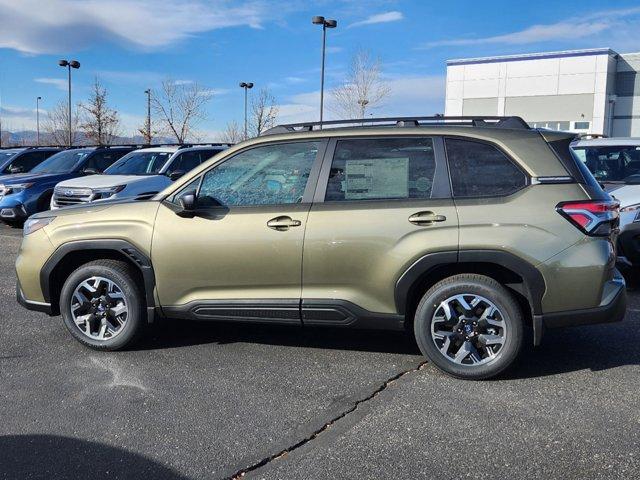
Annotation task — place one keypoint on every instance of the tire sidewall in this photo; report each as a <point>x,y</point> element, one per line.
<point>132,298</point>
<point>494,293</point>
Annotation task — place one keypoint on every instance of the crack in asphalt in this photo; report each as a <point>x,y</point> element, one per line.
<point>265,461</point>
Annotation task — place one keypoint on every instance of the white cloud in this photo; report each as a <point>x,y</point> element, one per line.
<point>570,29</point>
<point>19,118</point>
<point>55,26</point>
<point>59,83</point>
<point>386,17</point>
<point>409,96</point>
<point>183,82</point>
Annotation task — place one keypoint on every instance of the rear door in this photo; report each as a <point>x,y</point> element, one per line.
<point>381,204</point>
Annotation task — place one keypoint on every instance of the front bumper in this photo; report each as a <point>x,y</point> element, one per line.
<point>612,308</point>
<point>14,213</point>
<point>30,304</point>
<point>628,246</point>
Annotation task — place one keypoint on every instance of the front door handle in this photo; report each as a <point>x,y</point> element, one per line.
<point>426,218</point>
<point>283,223</point>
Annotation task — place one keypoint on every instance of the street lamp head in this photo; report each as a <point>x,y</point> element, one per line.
<point>63,63</point>
<point>243,85</point>
<point>39,98</point>
<point>249,85</point>
<point>317,20</point>
<point>148,91</point>
<point>74,64</point>
<point>331,23</point>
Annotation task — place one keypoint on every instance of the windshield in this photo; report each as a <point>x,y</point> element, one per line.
<point>6,156</point>
<point>63,162</point>
<point>610,163</point>
<point>139,163</point>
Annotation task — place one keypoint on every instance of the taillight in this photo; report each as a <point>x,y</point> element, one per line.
<point>593,217</point>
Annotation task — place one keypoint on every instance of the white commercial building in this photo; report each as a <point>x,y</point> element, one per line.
<point>591,91</point>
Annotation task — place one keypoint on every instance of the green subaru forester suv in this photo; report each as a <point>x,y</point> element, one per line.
<point>468,232</point>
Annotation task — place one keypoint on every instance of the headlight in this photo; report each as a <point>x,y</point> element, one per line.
<point>35,224</point>
<point>15,188</point>
<point>99,193</point>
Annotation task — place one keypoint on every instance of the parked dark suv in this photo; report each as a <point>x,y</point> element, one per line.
<point>22,195</point>
<point>467,232</point>
<point>24,159</point>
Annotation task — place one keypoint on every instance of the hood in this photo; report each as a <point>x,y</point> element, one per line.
<point>36,178</point>
<point>105,181</point>
<point>626,195</point>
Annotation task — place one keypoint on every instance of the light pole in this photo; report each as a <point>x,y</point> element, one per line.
<point>318,20</point>
<point>69,64</point>
<point>148,92</point>
<point>38,120</point>
<point>246,87</point>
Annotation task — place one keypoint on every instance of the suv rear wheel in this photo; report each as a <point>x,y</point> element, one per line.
<point>102,306</point>
<point>469,326</point>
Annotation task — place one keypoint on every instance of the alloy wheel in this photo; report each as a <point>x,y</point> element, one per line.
<point>468,329</point>
<point>99,308</point>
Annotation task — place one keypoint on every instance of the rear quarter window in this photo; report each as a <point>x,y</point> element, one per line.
<point>479,169</point>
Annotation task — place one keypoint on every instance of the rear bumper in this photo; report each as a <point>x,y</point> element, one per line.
<point>31,305</point>
<point>611,309</point>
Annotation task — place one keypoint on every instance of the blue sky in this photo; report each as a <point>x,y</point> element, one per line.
<point>132,45</point>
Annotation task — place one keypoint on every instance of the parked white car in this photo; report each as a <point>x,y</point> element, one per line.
<point>615,163</point>
<point>141,173</point>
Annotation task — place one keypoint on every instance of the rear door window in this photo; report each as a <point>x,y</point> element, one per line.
<point>381,169</point>
<point>481,170</point>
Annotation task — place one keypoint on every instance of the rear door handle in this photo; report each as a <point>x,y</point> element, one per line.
<point>426,218</point>
<point>283,223</point>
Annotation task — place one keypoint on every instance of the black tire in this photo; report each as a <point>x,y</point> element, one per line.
<point>119,273</point>
<point>44,202</point>
<point>475,285</point>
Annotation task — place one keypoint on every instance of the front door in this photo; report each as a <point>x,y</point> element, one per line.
<point>240,256</point>
<point>382,204</point>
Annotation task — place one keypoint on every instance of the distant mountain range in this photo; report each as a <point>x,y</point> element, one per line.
<point>30,137</point>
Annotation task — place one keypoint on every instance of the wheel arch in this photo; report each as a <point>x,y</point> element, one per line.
<point>71,255</point>
<point>518,275</point>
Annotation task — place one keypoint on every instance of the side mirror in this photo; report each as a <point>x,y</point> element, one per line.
<point>90,171</point>
<point>15,169</point>
<point>188,203</point>
<point>176,175</point>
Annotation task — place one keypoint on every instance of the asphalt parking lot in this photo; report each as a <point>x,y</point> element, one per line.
<point>216,401</point>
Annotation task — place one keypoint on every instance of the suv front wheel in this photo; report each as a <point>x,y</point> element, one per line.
<point>102,305</point>
<point>469,326</point>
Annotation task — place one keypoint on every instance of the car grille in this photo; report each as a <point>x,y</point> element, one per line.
<point>65,197</point>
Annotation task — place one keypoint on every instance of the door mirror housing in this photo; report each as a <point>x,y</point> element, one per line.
<point>90,171</point>
<point>176,175</point>
<point>188,202</point>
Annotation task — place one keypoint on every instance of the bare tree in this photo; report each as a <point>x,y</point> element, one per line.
<point>180,106</point>
<point>264,112</point>
<point>56,124</point>
<point>362,89</point>
<point>232,133</point>
<point>144,131</point>
<point>100,123</point>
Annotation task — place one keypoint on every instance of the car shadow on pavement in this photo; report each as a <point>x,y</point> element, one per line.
<point>181,333</point>
<point>53,456</point>
<point>596,348</point>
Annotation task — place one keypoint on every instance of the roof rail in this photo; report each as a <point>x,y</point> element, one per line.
<point>437,120</point>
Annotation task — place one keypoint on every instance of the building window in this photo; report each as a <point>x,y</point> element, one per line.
<point>581,125</point>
